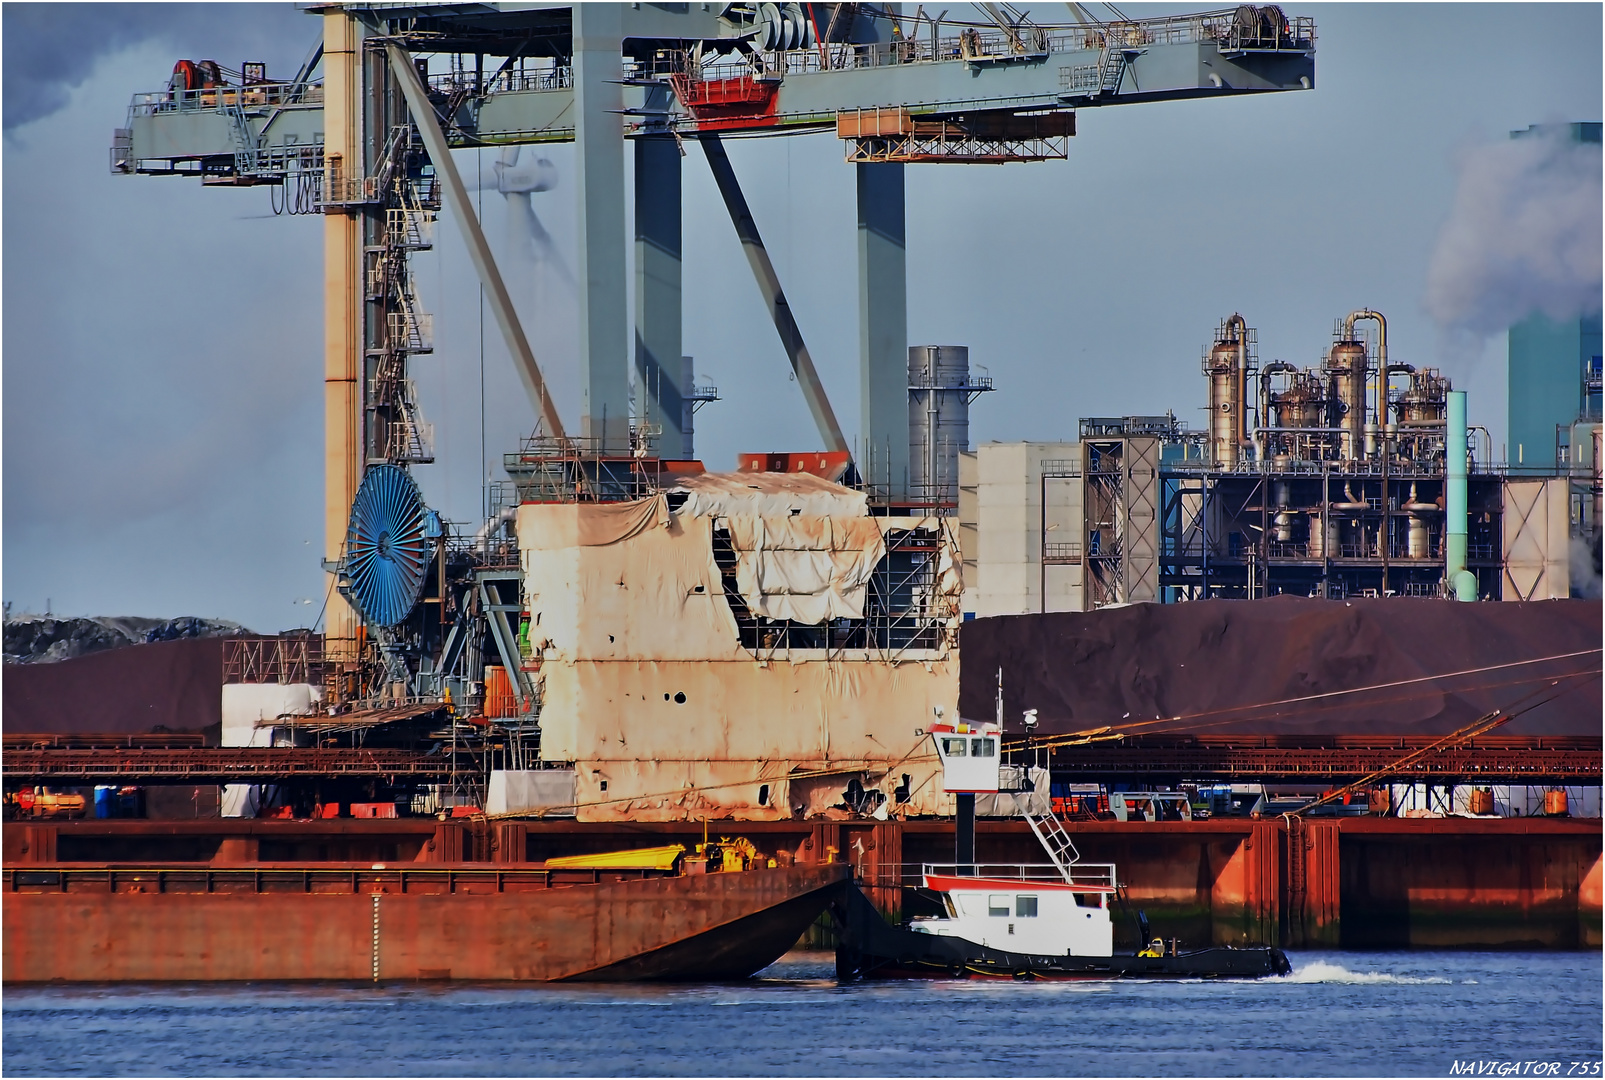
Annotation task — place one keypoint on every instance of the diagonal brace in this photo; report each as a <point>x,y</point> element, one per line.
<point>769,284</point>
<point>423,114</point>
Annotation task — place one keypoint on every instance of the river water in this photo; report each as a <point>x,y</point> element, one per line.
<point>1338,1014</point>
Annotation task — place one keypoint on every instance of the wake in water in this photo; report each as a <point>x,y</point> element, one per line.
<point>1322,971</point>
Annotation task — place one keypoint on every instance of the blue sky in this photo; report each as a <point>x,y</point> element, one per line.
<point>162,368</point>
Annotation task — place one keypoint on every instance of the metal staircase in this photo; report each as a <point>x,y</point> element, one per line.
<point>1051,835</point>
<point>246,144</point>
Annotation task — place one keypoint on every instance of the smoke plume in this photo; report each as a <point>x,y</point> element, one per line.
<point>52,48</point>
<point>1523,235</point>
<point>1583,557</point>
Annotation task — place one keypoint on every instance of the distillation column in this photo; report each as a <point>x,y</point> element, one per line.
<point>1227,368</point>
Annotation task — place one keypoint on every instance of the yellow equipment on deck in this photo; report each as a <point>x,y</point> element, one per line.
<point>652,858</point>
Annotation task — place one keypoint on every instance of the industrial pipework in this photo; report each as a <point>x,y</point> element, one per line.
<point>1379,412</point>
<point>1461,582</point>
<point>1264,419</point>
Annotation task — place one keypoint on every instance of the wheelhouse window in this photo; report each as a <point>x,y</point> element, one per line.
<point>954,747</point>
<point>983,748</point>
<point>997,906</point>
<point>1025,907</point>
<point>1089,899</point>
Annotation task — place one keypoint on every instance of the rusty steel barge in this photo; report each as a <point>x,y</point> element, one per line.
<point>719,914</point>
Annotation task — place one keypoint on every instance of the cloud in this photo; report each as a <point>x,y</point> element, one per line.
<point>52,48</point>
<point>1523,235</point>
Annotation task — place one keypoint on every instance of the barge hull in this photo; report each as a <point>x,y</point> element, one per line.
<point>478,925</point>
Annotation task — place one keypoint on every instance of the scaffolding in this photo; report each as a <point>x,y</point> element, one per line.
<point>904,609</point>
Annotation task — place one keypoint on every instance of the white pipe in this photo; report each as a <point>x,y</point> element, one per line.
<point>482,537</point>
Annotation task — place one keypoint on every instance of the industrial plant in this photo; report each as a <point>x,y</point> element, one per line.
<point>1360,477</point>
<point>746,666</point>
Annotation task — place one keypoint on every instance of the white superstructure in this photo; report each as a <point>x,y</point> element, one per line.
<point>1024,909</point>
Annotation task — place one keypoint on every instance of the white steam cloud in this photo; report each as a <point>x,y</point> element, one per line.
<point>1523,235</point>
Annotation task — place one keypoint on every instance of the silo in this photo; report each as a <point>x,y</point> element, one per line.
<point>938,421</point>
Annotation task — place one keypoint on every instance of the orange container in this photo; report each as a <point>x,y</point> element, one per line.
<point>1481,801</point>
<point>1555,803</point>
<point>498,692</point>
<point>373,809</point>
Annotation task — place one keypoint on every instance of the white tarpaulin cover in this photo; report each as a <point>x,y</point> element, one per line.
<point>769,495</point>
<point>1006,804</point>
<point>804,568</point>
<point>249,713</point>
<point>549,792</point>
<point>561,526</point>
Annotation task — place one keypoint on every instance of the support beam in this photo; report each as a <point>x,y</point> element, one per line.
<point>659,370</point>
<point>883,327</point>
<point>501,305</point>
<point>964,832</point>
<point>775,298</point>
<point>599,184</point>
<point>342,314</point>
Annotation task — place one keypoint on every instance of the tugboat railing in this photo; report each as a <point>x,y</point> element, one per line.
<point>1097,875</point>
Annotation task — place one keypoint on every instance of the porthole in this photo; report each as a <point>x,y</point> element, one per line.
<point>679,697</point>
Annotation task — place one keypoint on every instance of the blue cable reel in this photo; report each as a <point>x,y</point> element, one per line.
<point>389,544</point>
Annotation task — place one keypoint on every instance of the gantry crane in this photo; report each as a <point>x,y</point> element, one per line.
<point>368,148</point>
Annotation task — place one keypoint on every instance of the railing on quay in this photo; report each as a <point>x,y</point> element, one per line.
<point>216,764</point>
<point>352,879</point>
<point>1493,764</point>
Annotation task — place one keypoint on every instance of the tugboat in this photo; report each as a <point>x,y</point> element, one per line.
<point>1027,921</point>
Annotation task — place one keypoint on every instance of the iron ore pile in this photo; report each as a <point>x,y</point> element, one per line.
<point>119,674</point>
<point>1222,666</point>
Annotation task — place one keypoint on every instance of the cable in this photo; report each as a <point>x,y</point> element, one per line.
<point>1122,730</point>
<point>1240,709</point>
<point>1481,726</point>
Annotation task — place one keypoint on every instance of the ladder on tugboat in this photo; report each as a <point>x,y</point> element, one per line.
<point>1051,834</point>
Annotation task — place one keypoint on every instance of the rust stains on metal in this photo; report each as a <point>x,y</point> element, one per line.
<point>328,923</point>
